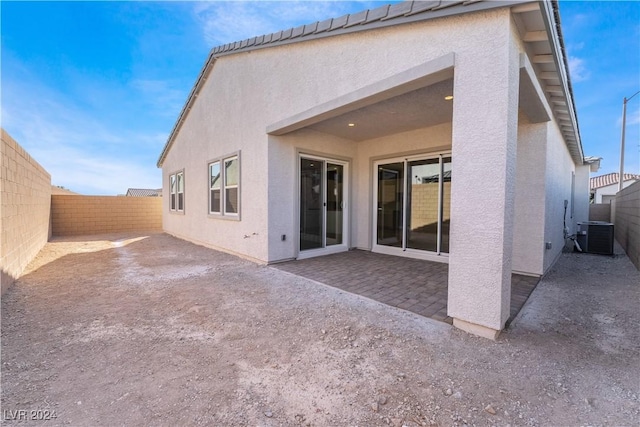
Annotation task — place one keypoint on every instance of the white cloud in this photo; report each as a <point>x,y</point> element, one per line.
<point>163,97</point>
<point>633,117</point>
<point>81,150</point>
<point>226,22</point>
<point>577,69</point>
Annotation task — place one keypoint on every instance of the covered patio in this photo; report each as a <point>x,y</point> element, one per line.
<point>414,285</point>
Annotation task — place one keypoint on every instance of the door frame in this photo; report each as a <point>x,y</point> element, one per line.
<point>346,219</point>
<point>404,251</point>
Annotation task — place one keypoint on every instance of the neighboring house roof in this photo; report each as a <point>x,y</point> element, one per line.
<point>414,11</point>
<point>610,179</point>
<point>144,192</point>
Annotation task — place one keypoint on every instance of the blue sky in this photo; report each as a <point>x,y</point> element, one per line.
<point>92,89</point>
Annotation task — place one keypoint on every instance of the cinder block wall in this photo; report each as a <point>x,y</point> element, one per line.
<point>85,215</point>
<point>600,212</point>
<point>627,221</point>
<point>25,201</point>
<point>424,203</point>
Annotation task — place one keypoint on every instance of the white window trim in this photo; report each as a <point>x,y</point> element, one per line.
<point>175,209</point>
<point>172,192</point>
<point>436,256</point>
<point>223,214</point>
<point>220,188</point>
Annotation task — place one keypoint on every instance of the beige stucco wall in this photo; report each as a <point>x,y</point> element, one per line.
<point>25,200</point>
<point>86,215</point>
<point>278,82</point>
<point>627,221</point>
<point>559,166</point>
<point>529,214</point>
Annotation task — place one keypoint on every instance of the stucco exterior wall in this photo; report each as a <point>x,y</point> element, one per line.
<point>73,215</point>
<point>559,166</point>
<point>484,142</point>
<point>25,201</point>
<point>372,56</point>
<point>627,221</point>
<point>283,188</point>
<point>281,81</point>
<point>529,214</point>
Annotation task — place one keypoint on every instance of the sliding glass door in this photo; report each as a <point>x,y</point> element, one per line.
<point>323,213</point>
<point>412,200</point>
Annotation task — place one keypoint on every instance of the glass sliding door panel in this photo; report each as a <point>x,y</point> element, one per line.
<point>446,204</point>
<point>311,203</point>
<point>390,204</point>
<point>335,205</point>
<point>423,204</point>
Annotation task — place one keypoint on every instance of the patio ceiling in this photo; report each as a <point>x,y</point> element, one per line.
<point>414,110</point>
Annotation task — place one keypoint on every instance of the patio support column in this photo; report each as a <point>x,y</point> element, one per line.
<point>484,145</point>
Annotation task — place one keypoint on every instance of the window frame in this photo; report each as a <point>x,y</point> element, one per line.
<point>212,189</point>
<point>174,193</point>
<point>223,187</point>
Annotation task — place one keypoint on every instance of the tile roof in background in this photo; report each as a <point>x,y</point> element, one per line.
<point>610,179</point>
<point>144,192</point>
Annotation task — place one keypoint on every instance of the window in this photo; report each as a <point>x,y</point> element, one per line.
<point>214,196</point>
<point>176,191</point>
<point>224,186</point>
<point>180,177</point>
<point>172,190</point>
<point>231,186</point>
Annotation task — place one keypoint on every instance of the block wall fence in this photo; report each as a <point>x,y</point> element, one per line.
<point>25,202</point>
<point>627,221</point>
<point>73,215</point>
<point>424,204</point>
<point>600,212</point>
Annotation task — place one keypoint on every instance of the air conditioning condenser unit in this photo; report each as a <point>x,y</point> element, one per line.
<point>596,237</point>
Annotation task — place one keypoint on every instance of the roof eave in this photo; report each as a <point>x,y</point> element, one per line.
<point>551,16</point>
<point>191,99</point>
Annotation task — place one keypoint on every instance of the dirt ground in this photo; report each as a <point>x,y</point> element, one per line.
<point>152,330</point>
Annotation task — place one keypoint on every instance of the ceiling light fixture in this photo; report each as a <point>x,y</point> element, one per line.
<point>448,97</point>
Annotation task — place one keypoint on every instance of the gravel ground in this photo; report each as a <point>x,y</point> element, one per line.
<point>124,330</point>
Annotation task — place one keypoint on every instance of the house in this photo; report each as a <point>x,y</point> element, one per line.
<point>439,130</point>
<point>604,187</point>
<point>144,192</point>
